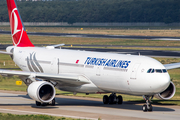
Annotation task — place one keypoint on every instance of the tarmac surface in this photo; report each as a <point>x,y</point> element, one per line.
<point>84,108</point>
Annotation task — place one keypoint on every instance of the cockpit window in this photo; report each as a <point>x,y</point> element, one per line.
<point>156,70</point>
<point>164,70</point>
<point>149,71</point>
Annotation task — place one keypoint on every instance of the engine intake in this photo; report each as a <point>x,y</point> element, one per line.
<point>41,91</point>
<point>168,93</point>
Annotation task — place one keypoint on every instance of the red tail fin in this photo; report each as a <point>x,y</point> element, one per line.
<point>19,35</point>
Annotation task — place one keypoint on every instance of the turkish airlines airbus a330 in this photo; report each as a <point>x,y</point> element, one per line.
<point>44,68</point>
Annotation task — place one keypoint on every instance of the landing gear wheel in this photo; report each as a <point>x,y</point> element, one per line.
<point>150,108</point>
<point>38,103</point>
<point>147,106</point>
<point>53,102</point>
<point>112,99</point>
<point>119,99</point>
<point>144,108</point>
<point>105,99</point>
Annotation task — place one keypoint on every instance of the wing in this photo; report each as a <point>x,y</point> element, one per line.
<point>172,66</point>
<point>66,79</point>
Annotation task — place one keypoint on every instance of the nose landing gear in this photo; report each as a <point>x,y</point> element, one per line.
<point>147,107</point>
<point>112,99</point>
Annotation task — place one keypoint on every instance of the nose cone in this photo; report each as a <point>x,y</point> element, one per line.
<point>162,82</point>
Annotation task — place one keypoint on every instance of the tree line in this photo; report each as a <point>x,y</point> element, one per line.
<point>71,11</point>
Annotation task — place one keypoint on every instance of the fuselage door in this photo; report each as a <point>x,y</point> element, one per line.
<point>134,71</point>
<point>54,66</point>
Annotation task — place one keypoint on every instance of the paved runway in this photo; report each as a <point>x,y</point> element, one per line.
<point>89,108</point>
<point>98,36</point>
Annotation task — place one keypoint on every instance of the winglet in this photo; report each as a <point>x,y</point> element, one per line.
<point>19,35</point>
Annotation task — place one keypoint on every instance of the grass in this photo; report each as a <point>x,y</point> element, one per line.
<point>106,30</point>
<point>8,116</point>
<point>6,62</point>
<point>9,83</point>
<point>167,60</point>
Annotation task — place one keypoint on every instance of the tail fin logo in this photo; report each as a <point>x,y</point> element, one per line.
<point>16,28</point>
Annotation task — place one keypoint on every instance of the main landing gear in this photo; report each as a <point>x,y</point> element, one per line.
<point>147,107</point>
<point>112,99</point>
<point>53,102</point>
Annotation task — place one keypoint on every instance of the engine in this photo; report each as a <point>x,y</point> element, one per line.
<point>168,93</point>
<point>41,91</point>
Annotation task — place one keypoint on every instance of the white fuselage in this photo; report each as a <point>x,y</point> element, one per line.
<point>115,73</point>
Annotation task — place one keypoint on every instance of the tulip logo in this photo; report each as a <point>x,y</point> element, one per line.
<point>16,28</point>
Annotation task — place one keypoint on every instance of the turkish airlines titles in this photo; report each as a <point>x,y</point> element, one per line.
<point>107,62</point>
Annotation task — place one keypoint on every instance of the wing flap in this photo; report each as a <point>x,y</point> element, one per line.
<point>63,79</point>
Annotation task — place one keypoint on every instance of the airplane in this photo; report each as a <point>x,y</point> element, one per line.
<point>47,68</point>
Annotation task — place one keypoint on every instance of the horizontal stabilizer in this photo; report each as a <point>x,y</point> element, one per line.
<point>58,45</point>
<point>54,46</point>
<point>7,53</point>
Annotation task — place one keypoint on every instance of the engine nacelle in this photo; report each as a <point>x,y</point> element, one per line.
<point>168,93</point>
<point>41,91</point>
